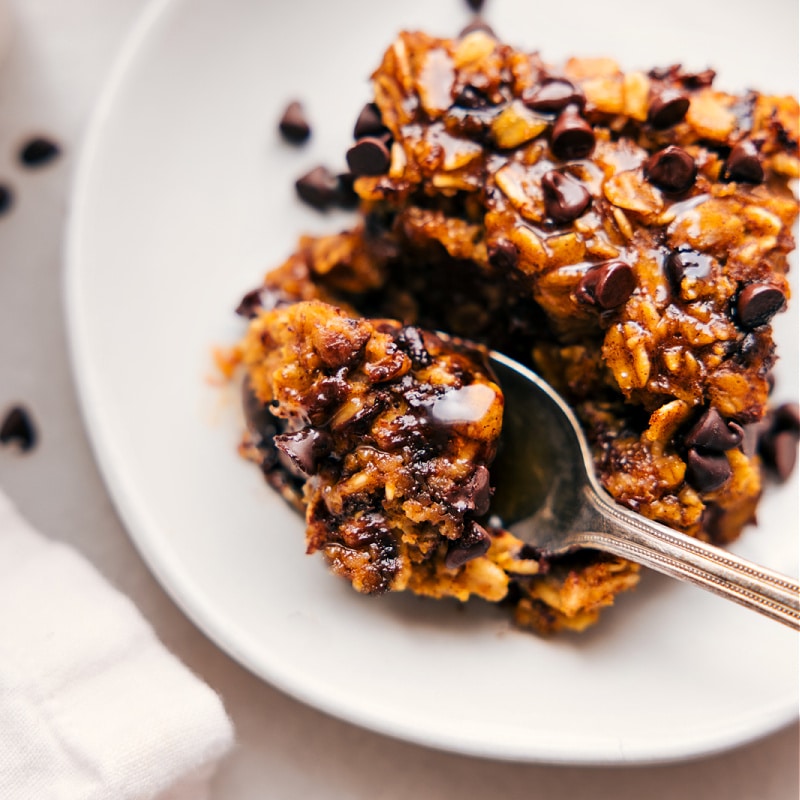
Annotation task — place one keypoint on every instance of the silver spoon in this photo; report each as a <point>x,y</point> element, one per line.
<point>550,498</point>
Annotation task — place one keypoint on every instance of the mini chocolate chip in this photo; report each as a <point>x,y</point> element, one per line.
<point>6,198</point>
<point>572,136</point>
<point>712,432</point>
<point>319,188</point>
<point>255,300</point>
<point>707,472</point>
<point>475,494</point>
<point>698,80</point>
<point>305,448</point>
<point>477,24</point>
<point>472,98</point>
<point>410,340</point>
<point>369,156</point>
<point>758,303</point>
<point>38,151</point>
<point>474,543</point>
<point>607,285</point>
<point>552,96</point>
<point>475,5</point>
<point>294,126</point>
<point>672,169</point>
<point>743,164</point>
<point>369,122</point>
<point>778,451</point>
<point>503,255</point>
<point>667,108</point>
<point>686,263</point>
<point>18,427</point>
<point>565,199</point>
<point>786,417</point>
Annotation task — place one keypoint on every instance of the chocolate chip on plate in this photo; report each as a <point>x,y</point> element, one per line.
<point>475,5</point>
<point>707,472</point>
<point>667,108</point>
<point>18,427</point>
<point>319,188</point>
<point>758,303</point>
<point>786,417</point>
<point>744,164</point>
<point>607,285</point>
<point>294,125</point>
<point>712,432</point>
<point>572,135</point>
<point>6,198</point>
<point>369,156</point>
<point>38,151</point>
<point>672,169</point>
<point>565,198</point>
<point>554,95</point>
<point>778,451</point>
<point>369,122</point>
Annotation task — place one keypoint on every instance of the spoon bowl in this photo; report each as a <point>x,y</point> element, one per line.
<point>549,497</point>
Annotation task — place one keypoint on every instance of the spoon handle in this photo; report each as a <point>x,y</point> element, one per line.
<point>624,533</point>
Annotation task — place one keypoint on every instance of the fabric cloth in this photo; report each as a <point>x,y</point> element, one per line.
<point>92,706</point>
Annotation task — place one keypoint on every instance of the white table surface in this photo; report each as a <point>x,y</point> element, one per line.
<point>60,55</point>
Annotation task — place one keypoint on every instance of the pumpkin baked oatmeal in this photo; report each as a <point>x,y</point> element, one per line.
<point>624,234</point>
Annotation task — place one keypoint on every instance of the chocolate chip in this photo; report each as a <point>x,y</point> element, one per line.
<point>778,451</point>
<point>474,543</point>
<point>565,199</point>
<point>6,198</point>
<point>572,136</point>
<point>411,341</point>
<point>474,495</point>
<point>554,95</point>
<point>503,255</point>
<point>664,73</point>
<point>38,151</point>
<point>672,169</point>
<point>475,5</point>
<point>712,432</point>
<point>369,156</point>
<point>369,122</point>
<point>294,126</point>
<point>304,448</point>
<point>743,164</point>
<point>667,108</point>
<point>698,80</point>
<point>477,24</point>
<point>607,285</point>
<point>758,303</point>
<point>686,263</point>
<point>473,98</point>
<point>707,472</point>
<point>319,188</point>
<point>18,427</point>
<point>255,300</point>
<point>786,417</point>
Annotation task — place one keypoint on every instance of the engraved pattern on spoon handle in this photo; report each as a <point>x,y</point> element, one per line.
<point>632,536</point>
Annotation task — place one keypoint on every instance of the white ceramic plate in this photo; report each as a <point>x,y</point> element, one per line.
<point>183,199</point>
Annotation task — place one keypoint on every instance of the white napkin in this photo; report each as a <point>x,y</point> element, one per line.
<point>92,706</point>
